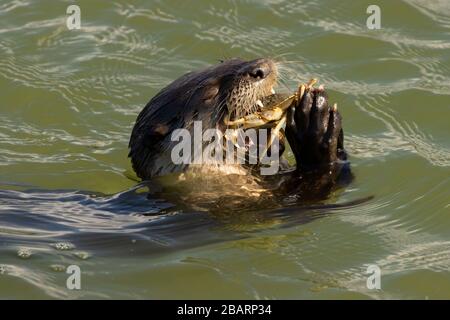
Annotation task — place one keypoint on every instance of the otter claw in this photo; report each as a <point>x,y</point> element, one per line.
<point>302,89</point>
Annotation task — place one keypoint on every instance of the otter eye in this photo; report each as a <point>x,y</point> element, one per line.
<point>258,73</point>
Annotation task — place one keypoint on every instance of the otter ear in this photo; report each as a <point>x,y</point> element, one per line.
<point>210,92</point>
<point>155,134</point>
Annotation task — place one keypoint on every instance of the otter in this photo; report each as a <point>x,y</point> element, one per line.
<point>233,89</point>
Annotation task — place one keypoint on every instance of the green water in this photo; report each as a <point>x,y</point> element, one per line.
<point>70,98</point>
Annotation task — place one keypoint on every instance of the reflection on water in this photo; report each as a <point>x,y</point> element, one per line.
<point>73,226</point>
<point>69,100</point>
<point>191,218</point>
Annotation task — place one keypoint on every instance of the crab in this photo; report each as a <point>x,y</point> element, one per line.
<point>274,116</point>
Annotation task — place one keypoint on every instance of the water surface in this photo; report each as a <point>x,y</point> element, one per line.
<point>68,194</point>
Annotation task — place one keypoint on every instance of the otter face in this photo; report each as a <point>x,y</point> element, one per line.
<point>253,81</point>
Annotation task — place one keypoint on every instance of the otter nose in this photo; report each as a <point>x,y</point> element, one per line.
<point>259,72</point>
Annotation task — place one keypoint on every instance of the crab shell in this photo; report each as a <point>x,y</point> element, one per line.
<point>273,116</point>
<point>279,103</point>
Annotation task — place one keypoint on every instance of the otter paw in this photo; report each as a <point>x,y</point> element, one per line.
<point>314,130</point>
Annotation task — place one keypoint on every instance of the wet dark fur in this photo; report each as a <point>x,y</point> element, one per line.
<point>313,127</point>
<point>205,96</point>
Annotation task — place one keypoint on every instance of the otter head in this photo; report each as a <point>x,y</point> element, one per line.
<point>251,82</point>
<point>233,88</point>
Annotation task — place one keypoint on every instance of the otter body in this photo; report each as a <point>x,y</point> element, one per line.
<point>234,89</point>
